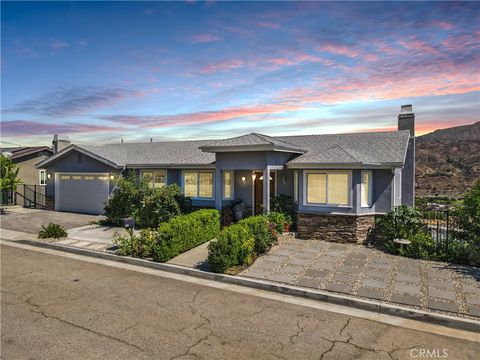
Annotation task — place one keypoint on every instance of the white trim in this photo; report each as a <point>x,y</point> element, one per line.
<point>182,185</point>
<point>40,177</point>
<point>370,189</point>
<point>295,186</point>
<point>80,150</point>
<point>327,205</point>
<point>232,185</point>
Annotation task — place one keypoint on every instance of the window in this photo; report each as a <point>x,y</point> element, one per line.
<point>198,184</point>
<point>328,188</point>
<point>42,175</point>
<point>155,178</point>
<point>227,185</point>
<point>366,189</point>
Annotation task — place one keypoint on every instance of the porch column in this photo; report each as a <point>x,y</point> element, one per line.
<point>217,188</point>
<point>266,190</point>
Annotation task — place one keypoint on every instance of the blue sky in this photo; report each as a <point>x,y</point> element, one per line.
<point>101,71</point>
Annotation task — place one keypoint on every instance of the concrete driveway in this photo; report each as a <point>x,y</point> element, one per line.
<point>31,220</point>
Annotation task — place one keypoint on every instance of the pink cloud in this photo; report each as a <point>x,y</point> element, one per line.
<point>339,50</point>
<point>222,66</point>
<point>27,128</point>
<point>418,45</point>
<point>444,25</point>
<point>204,38</point>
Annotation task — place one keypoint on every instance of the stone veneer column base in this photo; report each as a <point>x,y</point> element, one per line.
<point>335,228</point>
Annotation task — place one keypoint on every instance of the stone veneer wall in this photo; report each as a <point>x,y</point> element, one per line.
<point>49,203</point>
<point>335,228</point>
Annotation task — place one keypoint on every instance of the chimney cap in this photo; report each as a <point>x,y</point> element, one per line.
<point>406,109</point>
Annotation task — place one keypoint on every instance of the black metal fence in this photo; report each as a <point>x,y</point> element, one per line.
<point>442,223</point>
<point>7,197</point>
<point>32,196</point>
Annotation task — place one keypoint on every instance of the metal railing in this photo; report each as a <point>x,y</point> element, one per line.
<point>441,222</point>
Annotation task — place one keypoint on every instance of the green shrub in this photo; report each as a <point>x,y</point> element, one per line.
<point>401,223</point>
<point>469,223</point>
<point>278,220</point>
<point>126,197</point>
<point>52,230</point>
<point>234,246</point>
<point>185,232</point>
<point>421,246</point>
<point>135,245</point>
<point>160,205</point>
<point>263,234</point>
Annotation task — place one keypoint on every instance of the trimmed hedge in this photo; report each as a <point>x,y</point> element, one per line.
<point>234,246</point>
<point>278,220</point>
<point>185,232</point>
<point>264,236</point>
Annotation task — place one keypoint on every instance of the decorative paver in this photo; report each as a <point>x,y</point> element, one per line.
<point>360,271</point>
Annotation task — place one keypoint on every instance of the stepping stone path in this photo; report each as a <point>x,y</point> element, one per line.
<point>370,273</point>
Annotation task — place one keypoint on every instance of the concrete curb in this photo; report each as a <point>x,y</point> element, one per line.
<point>369,305</point>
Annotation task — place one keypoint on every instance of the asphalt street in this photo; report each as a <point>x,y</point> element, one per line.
<point>56,307</point>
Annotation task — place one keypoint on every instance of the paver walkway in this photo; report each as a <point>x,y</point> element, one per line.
<point>366,272</point>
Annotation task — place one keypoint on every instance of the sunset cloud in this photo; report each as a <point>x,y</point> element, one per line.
<point>204,38</point>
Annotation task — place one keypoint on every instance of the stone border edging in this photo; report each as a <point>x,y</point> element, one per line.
<point>338,299</point>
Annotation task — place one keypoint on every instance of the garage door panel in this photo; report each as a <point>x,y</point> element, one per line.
<point>82,193</point>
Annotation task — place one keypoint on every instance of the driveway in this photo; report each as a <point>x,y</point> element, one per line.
<point>55,307</point>
<point>366,272</point>
<point>31,220</point>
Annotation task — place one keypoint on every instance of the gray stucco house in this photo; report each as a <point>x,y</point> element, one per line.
<point>339,182</point>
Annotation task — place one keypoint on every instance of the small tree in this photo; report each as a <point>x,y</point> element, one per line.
<point>469,221</point>
<point>8,174</point>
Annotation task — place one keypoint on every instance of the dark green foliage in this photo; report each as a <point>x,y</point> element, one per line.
<point>52,230</point>
<point>234,246</point>
<point>422,246</point>
<point>284,204</point>
<point>469,223</point>
<point>133,245</point>
<point>8,174</point>
<point>278,220</point>
<point>263,234</point>
<point>402,223</point>
<point>132,197</point>
<point>126,197</point>
<point>185,232</point>
<point>160,205</point>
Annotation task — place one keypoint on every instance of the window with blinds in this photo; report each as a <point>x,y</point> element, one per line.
<point>155,178</point>
<point>227,185</point>
<point>198,184</point>
<point>366,189</point>
<point>328,188</point>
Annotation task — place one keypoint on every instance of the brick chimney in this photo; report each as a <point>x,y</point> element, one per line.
<point>59,143</point>
<point>406,121</point>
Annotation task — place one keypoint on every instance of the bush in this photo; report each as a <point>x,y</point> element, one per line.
<point>469,223</point>
<point>52,230</point>
<point>131,197</point>
<point>401,223</point>
<point>278,220</point>
<point>263,234</point>
<point>421,246</point>
<point>160,205</point>
<point>126,197</point>
<point>234,246</point>
<point>137,246</point>
<point>185,232</point>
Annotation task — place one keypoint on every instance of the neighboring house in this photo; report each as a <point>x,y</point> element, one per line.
<point>26,159</point>
<point>339,183</point>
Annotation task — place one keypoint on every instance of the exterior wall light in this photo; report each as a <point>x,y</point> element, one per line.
<point>112,177</point>
<point>49,176</point>
<point>244,179</point>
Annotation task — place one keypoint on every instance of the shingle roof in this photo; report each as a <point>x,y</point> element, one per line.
<point>24,151</point>
<point>375,148</point>
<point>251,140</point>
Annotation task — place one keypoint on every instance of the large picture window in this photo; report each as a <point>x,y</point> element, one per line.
<point>366,190</point>
<point>155,178</point>
<point>227,185</point>
<point>330,188</point>
<point>198,184</point>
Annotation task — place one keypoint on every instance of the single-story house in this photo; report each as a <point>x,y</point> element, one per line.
<point>338,182</point>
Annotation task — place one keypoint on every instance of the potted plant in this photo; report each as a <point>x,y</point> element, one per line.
<point>239,209</point>
<point>288,222</point>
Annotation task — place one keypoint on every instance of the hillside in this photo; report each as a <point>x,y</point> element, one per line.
<point>448,161</point>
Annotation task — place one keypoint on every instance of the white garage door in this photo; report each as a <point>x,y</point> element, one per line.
<point>82,193</point>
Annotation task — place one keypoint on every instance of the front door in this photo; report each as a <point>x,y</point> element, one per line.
<point>258,191</point>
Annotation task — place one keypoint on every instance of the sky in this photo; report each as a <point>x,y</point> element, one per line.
<point>98,72</point>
